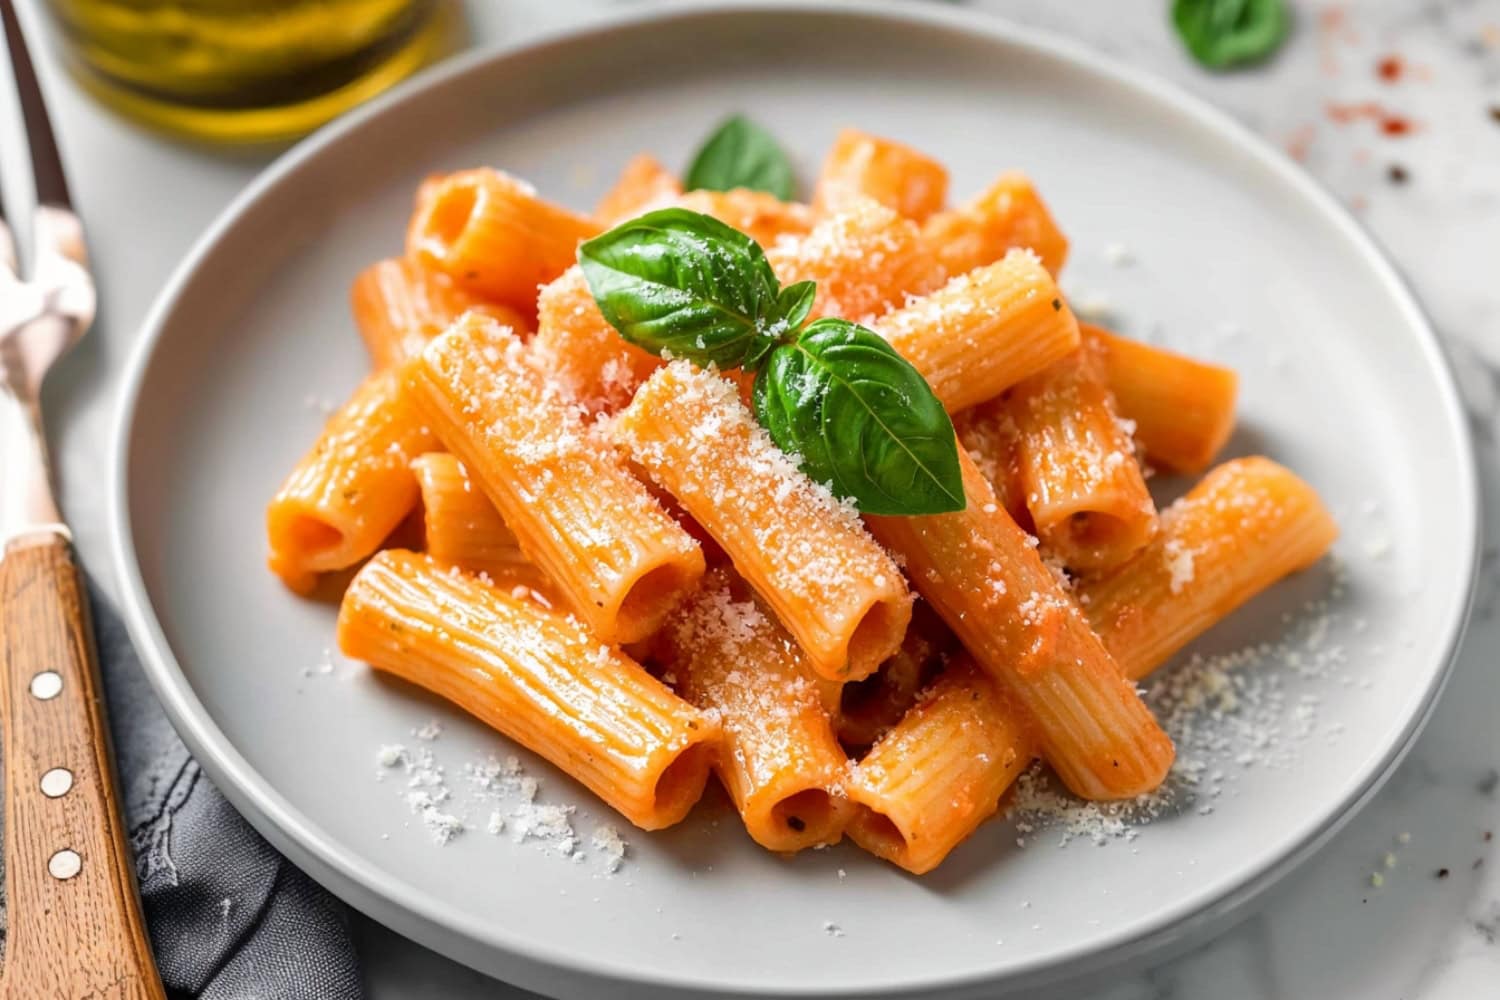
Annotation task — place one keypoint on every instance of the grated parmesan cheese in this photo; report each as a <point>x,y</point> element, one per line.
<point>1226,713</point>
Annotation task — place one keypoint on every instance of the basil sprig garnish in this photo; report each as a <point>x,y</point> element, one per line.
<point>862,418</point>
<point>1225,33</point>
<point>833,394</point>
<point>685,284</point>
<point>741,154</point>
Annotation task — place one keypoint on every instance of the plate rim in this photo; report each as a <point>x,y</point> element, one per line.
<point>387,896</point>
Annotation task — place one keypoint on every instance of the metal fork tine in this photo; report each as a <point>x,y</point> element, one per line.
<point>46,165</point>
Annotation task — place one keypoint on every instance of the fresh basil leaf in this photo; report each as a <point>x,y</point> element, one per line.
<point>795,302</point>
<point>741,154</point>
<point>1225,33</point>
<point>680,282</point>
<point>861,419</point>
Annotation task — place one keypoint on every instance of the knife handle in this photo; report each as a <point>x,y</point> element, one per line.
<point>75,924</point>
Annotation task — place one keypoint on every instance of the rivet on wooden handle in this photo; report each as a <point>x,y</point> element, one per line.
<point>74,923</point>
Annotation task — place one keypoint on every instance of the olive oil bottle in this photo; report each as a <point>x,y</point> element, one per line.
<point>244,70</point>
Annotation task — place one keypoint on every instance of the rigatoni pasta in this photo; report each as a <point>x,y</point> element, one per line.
<point>1249,523</point>
<point>1007,215</point>
<point>984,577</point>
<point>460,527</point>
<point>861,165</point>
<point>807,555</point>
<point>990,436</point>
<point>400,304</point>
<point>1182,409</point>
<point>576,510</point>
<point>984,331</point>
<point>623,571</point>
<point>643,184</point>
<point>576,346</point>
<point>779,759</point>
<point>865,258</point>
<point>537,676</point>
<point>492,235</point>
<point>352,489</point>
<point>763,217</point>
<point>1084,488</point>
<point>936,776</point>
<point>868,708</point>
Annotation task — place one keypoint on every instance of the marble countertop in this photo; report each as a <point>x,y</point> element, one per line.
<point>1411,144</point>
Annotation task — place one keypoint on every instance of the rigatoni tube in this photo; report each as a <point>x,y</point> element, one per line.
<point>462,527</point>
<point>1247,524</point>
<point>1182,408</point>
<point>861,165</point>
<point>937,775</point>
<point>807,555</point>
<point>869,707</point>
<point>355,485</point>
<point>1007,215</point>
<point>536,676</point>
<point>576,510</point>
<point>401,304</point>
<point>983,575</point>
<point>643,184</point>
<point>779,760</point>
<point>575,345</point>
<point>989,435</point>
<point>984,331</point>
<point>493,235</point>
<point>1084,488</point>
<point>866,259</point>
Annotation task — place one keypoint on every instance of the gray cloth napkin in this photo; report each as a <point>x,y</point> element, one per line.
<point>230,919</point>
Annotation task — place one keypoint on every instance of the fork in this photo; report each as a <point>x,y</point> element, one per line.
<point>75,926</point>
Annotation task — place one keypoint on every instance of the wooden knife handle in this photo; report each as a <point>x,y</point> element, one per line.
<point>75,925</point>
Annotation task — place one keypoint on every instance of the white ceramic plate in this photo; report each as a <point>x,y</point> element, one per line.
<point>1237,256</point>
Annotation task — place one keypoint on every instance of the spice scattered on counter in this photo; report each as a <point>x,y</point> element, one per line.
<point>1390,123</point>
<point>1441,873</point>
<point>1299,143</point>
<point>1334,28</point>
<point>1495,113</point>
<point>1390,68</point>
<point>1397,174</point>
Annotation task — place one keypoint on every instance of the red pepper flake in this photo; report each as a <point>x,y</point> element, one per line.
<point>1388,122</point>
<point>1333,27</point>
<point>1390,68</point>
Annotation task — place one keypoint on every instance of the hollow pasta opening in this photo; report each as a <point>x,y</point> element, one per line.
<point>309,534</point>
<point>878,634</point>
<point>809,813</point>
<point>653,594</point>
<point>681,784</point>
<point>448,216</point>
<point>1094,530</point>
<point>878,835</point>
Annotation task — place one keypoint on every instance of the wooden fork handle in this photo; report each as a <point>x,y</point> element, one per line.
<point>75,924</point>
